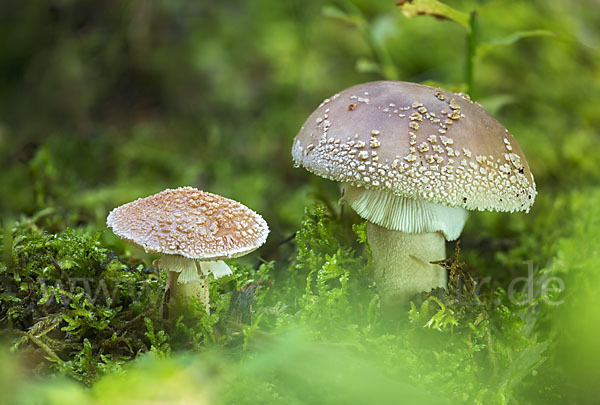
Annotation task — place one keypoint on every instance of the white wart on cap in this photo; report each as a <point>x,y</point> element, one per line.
<point>417,143</point>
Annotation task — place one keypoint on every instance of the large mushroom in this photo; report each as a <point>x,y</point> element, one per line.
<point>412,160</point>
<point>193,231</point>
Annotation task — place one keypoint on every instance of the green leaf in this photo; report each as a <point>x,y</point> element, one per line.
<point>442,318</point>
<point>249,331</point>
<point>159,345</point>
<point>333,11</point>
<point>486,47</point>
<point>361,232</point>
<point>494,103</point>
<point>6,297</point>
<point>434,8</point>
<point>364,65</point>
<point>522,364</point>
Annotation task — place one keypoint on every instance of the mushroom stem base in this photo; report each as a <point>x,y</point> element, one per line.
<point>178,291</point>
<point>402,263</point>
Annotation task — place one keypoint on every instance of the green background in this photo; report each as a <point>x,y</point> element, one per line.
<point>105,102</point>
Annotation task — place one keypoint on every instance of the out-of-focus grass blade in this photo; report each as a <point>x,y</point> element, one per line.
<point>434,8</point>
<point>333,11</point>
<point>365,65</point>
<point>495,103</point>
<point>486,47</point>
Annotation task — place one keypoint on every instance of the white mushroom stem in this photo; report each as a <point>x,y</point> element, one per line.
<point>405,235</point>
<point>188,278</point>
<point>179,291</point>
<point>402,262</point>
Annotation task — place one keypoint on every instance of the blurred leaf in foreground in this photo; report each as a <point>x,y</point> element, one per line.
<point>485,47</point>
<point>434,8</point>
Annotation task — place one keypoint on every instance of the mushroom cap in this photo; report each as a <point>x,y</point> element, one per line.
<point>189,223</point>
<point>418,142</point>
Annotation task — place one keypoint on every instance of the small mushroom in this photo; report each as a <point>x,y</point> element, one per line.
<point>193,231</point>
<point>412,159</point>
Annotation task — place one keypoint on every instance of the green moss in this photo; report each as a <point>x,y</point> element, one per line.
<point>313,333</point>
<point>73,302</point>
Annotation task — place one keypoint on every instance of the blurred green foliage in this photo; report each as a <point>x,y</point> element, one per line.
<point>105,102</point>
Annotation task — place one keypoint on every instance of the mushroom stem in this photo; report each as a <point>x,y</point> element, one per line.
<point>402,262</point>
<point>180,291</point>
<point>185,279</point>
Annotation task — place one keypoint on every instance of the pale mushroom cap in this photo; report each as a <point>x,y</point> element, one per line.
<point>189,223</point>
<point>418,142</point>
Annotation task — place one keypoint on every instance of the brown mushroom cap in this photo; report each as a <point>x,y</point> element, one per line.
<point>190,223</point>
<point>418,142</point>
